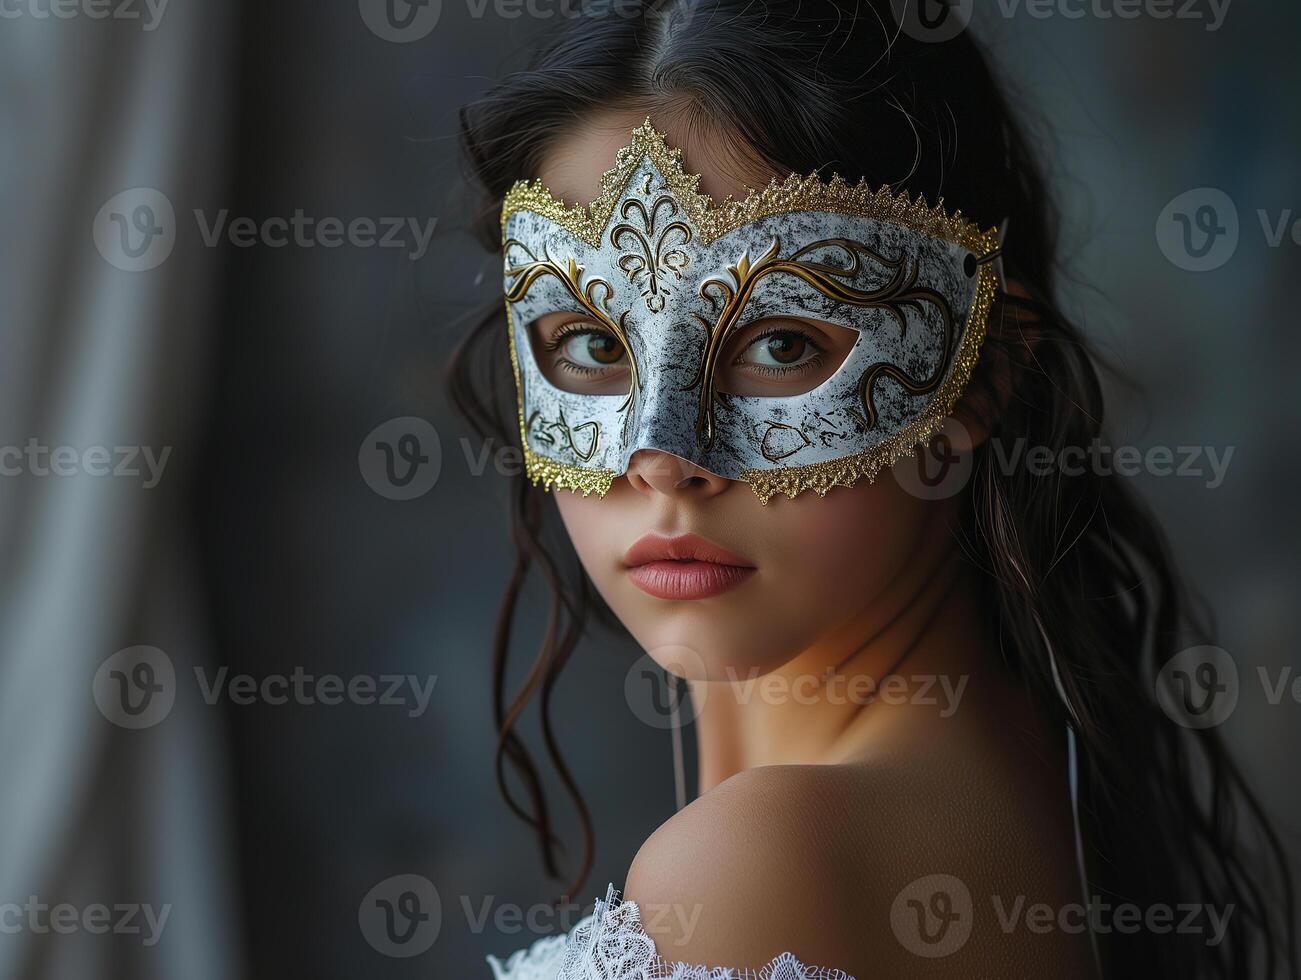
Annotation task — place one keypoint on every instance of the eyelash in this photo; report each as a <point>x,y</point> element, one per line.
<point>575,328</point>
<point>769,370</point>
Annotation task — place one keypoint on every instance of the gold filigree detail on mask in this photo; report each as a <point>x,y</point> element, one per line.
<point>561,425</point>
<point>773,455</point>
<point>662,259</point>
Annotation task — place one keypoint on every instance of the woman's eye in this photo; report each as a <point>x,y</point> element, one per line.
<point>581,354</point>
<point>592,349</point>
<point>780,356</point>
<point>778,349</point>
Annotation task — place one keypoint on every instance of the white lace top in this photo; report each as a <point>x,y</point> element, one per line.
<point>610,944</point>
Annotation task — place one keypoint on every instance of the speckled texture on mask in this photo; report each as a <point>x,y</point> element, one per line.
<point>659,269</point>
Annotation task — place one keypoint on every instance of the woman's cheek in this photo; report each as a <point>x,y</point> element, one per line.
<point>596,527</point>
<point>842,550</point>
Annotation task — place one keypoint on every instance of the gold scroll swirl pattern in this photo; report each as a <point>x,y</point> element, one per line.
<point>899,294</point>
<point>660,255</point>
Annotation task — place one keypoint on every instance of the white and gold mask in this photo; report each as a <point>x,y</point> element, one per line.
<point>658,277</point>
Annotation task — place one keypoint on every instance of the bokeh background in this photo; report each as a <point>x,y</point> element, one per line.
<point>265,546</point>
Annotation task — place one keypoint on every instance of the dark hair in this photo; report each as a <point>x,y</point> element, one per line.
<point>1072,560</point>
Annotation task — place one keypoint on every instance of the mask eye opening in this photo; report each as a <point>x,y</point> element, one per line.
<point>577,353</point>
<point>783,355</point>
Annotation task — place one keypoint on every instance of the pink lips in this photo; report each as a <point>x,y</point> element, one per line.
<point>684,567</point>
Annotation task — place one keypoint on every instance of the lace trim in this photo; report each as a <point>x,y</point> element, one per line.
<point>610,944</point>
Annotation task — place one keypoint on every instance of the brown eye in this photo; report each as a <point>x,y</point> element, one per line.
<point>782,355</point>
<point>595,349</point>
<point>778,349</point>
<point>782,348</point>
<point>577,352</point>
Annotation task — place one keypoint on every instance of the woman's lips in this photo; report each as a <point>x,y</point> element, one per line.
<point>687,579</point>
<point>684,567</point>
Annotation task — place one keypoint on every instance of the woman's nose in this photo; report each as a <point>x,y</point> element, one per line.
<point>651,470</point>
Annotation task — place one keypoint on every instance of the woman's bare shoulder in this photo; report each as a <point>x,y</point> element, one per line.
<point>871,868</point>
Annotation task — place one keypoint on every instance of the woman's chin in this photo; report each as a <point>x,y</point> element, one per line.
<point>718,655</point>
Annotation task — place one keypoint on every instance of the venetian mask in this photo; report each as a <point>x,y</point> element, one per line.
<point>654,281</point>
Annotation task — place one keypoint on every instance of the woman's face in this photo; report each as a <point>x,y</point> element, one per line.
<point>821,568</point>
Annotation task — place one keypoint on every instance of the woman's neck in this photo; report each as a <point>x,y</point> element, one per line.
<point>901,660</point>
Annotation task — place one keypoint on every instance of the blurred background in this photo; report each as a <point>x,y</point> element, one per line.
<point>228,453</point>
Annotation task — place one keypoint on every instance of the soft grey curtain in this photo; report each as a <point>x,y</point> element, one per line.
<point>94,355</point>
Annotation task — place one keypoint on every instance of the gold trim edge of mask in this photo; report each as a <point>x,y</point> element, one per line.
<point>554,475</point>
<point>713,220</point>
<point>848,470</point>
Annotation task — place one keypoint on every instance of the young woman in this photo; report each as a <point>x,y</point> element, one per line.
<point>956,763</point>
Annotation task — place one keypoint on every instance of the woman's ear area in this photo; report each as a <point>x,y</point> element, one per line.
<point>1007,352</point>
